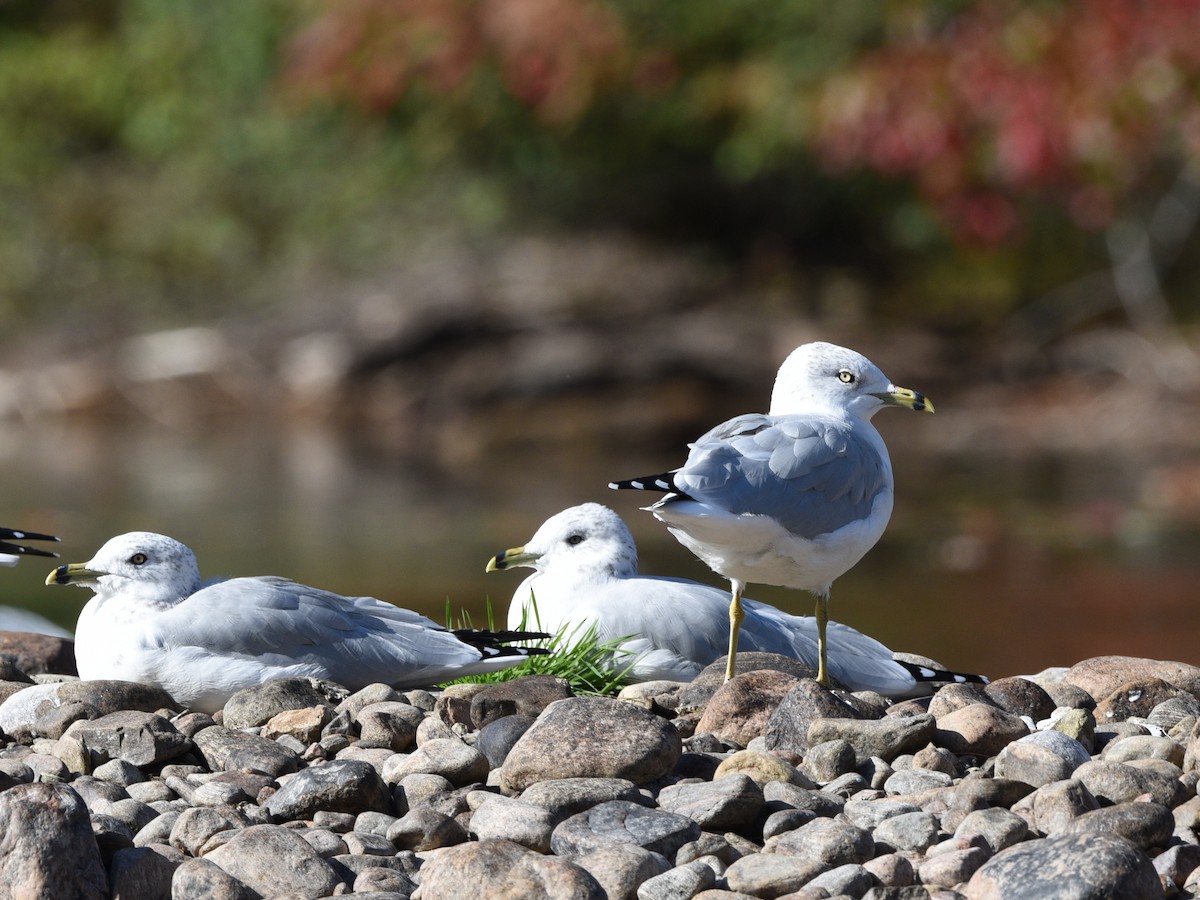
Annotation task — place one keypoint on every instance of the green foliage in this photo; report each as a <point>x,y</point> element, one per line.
<point>577,655</point>
<point>175,158</point>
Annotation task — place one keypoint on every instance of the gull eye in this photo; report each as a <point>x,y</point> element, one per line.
<point>575,539</point>
<point>845,376</point>
<point>138,559</point>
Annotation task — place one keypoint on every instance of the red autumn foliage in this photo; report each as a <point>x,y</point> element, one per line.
<point>551,55</point>
<point>1075,103</point>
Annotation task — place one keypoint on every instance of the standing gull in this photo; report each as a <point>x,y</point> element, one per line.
<point>794,497</point>
<point>153,621</point>
<point>585,577</point>
<point>10,553</point>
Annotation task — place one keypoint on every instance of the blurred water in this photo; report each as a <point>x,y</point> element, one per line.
<point>994,565</point>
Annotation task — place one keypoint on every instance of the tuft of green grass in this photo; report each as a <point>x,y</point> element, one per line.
<point>578,655</point>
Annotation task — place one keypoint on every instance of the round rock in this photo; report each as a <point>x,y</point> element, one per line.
<point>510,872</point>
<point>593,736</point>
<point>1073,867</point>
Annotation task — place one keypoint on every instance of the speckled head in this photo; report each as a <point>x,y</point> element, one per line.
<point>589,537</point>
<point>157,568</point>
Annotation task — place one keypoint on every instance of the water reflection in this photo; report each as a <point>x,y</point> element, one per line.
<point>997,566</point>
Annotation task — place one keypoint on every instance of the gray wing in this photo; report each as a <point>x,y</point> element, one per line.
<point>680,626</point>
<point>278,622</point>
<point>813,475</point>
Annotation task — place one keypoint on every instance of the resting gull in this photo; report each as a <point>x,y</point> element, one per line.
<point>794,497</point>
<point>585,563</point>
<point>153,621</point>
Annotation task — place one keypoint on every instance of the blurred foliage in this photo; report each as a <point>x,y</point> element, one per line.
<point>174,156</point>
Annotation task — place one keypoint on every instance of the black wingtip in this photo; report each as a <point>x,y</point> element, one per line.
<point>925,673</point>
<point>18,550</point>
<point>490,643</point>
<point>663,483</point>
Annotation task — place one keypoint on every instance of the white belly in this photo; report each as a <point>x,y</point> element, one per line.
<point>758,550</point>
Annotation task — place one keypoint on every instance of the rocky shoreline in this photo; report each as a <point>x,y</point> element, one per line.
<point>1077,782</point>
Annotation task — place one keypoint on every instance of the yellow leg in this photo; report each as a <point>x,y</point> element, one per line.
<point>736,614</point>
<point>822,621</point>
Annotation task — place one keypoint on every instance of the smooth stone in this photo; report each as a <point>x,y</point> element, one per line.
<point>953,697</point>
<point>850,880</point>
<point>1050,809</point>
<point>726,804</point>
<point>700,689</point>
<point>565,797</point>
<point>622,822</point>
<point>783,820</point>
<point>1021,697</point>
<point>762,768</point>
<point>915,781</point>
<point>912,832</point>
<point>892,870</point>
<point>257,705</point>
<point>789,725</point>
<point>1000,827</point>
<point>1120,782</point>
<point>1144,746</point>
<point>118,771</point>
<point>1101,675</point>
<point>510,872</point>
<point>138,738</point>
<point>1078,867</point>
<point>869,814</point>
<point>1171,712</point>
<point>946,870</point>
<point>497,738</point>
<point>1178,862</point>
<point>525,696</point>
<point>663,693</point>
<point>203,879</point>
<point>1080,725</point>
<point>364,843</point>
<point>1041,758</point>
<point>372,693</point>
<point>936,759</point>
<point>389,724</point>
<point>274,861</point>
<point>593,736</point>
<point>979,729</point>
<point>42,826</point>
<point>348,867</point>
<point>380,880</point>
<point>345,786</point>
<point>1146,824</point>
<point>621,869</point>
<point>195,826</point>
<point>739,709</point>
<point>450,758</point>
<point>304,725</point>
<point>46,710</point>
<point>227,750</point>
<point>679,883</point>
<point>722,848</point>
<point>1135,698</point>
<point>328,843</point>
<point>825,843</point>
<point>884,739</point>
<point>516,820</point>
<point>425,828</point>
<point>830,759</point>
<point>770,875</point>
<point>33,653</point>
<point>144,872</point>
<point>821,803</point>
